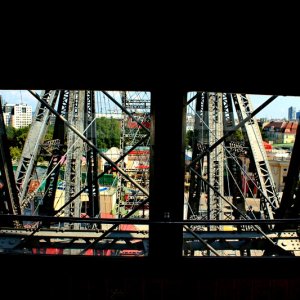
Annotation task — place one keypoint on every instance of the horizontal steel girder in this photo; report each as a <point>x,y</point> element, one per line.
<point>13,239</point>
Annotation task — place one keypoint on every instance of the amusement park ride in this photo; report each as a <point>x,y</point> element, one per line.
<point>218,222</point>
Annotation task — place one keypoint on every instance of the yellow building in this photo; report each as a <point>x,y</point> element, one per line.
<point>280,132</point>
<point>279,166</point>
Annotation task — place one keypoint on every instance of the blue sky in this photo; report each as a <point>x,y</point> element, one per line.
<point>15,96</point>
<point>277,109</point>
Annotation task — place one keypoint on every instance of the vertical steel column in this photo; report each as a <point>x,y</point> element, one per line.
<point>31,147</point>
<point>168,110</point>
<point>198,147</point>
<point>124,120</point>
<point>269,201</point>
<point>135,127</point>
<point>47,208</point>
<point>11,193</point>
<point>234,149</point>
<point>203,141</point>
<point>91,154</point>
<point>216,157</point>
<point>73,166</point>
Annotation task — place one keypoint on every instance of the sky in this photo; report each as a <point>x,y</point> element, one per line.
<point>278,109</point>
<point>18,96</point>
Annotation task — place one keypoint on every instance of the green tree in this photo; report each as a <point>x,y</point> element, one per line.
<point>108,132</point>
<point>15,153</point>
<point>189,139</point>
<point>21,135</point>
<point>238,135</point>
<point>49,133</point>
<point>190,136</point>
<point>16,139</point>
<point>10,132</point>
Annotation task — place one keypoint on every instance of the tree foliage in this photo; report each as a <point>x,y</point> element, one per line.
<point>21,135</point>
<point>191,135</point>
<point>49,133</point>
<point>108,135</point>
<point>189,139</point>
<point>108,132</point>
<point>15,153</point>
<point>238,135</point>
<point>10,132</point>
<point>16,138</point>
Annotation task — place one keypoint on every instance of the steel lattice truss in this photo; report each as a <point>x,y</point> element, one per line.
<point>214,120</point>
<point>59,228</point>
<point>135,133</point>
<point>60,240</point>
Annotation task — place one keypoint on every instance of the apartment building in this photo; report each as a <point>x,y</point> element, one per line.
<point>17,115</point>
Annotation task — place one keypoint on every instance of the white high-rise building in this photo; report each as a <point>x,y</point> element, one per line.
<point>22,116</point>
<point>17,115</point>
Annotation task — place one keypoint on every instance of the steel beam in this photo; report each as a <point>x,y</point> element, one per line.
<point>32,144</point>
<point>91,154</point>
<point>47,206</point>
<point>269,201</point>
<point>167,160</point>
<point>73,165</point>
<point>6,168</point>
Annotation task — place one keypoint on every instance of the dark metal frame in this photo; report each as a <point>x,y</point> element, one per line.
<point>166,204</point>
